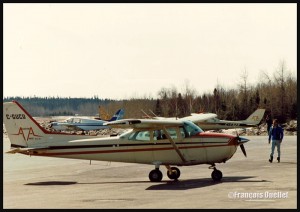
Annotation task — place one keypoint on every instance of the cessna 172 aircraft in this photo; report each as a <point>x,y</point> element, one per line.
<point>84,123</point>
<point>208,121</point>
<point>158,142</point>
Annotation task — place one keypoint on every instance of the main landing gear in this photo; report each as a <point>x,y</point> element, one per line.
<point>174,173</point>
<point>156,175</point>
<point>216,175</point>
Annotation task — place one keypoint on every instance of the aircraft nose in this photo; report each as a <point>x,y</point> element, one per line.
<point>242,140</point>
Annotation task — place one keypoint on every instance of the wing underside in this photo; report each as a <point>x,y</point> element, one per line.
<point>143,123</point>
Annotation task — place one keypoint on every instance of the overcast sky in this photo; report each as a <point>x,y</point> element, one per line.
<point>120,51</point>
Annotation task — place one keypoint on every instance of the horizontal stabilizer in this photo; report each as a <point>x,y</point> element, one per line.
<point>18,150</point>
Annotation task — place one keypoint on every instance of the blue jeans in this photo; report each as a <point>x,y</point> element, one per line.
<point>277,144</point>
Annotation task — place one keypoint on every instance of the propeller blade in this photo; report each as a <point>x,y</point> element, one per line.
<point>243,149</point>
<point>237,135</point>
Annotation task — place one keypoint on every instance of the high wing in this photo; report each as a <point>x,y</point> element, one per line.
<point>196,117</point>
<point>143,123</point>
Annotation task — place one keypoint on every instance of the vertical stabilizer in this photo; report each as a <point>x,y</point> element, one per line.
<point>256,117</point>
<point>118,115</point>
<point>22,129</point>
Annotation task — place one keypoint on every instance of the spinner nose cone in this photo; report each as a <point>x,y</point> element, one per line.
<point>242,140</point>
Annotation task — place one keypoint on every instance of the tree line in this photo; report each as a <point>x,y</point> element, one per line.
<point>276,93</point>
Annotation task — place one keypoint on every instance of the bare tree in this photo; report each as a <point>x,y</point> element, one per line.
<point>266,87</point>
<point>243,86</point>
<point>189,94</point>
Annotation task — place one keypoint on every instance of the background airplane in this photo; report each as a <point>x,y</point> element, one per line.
<point>209,121</point>
<point>216,124</point>
<point>85,123</point>
<point>184,144</point>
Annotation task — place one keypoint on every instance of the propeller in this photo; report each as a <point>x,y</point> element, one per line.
<point>241,141</point>
<point>243,149</point>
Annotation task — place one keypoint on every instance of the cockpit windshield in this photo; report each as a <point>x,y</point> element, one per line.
<point>191,128</point>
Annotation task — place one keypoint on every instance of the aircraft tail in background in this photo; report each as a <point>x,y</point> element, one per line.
<point>118,115</point>
<point>256,117</point>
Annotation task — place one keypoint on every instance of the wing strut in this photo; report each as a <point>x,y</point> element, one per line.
<point>174,145</point>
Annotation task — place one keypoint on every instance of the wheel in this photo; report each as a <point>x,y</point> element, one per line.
<point>216,175</point>
<point>155,175</point>
<point>174,175</point>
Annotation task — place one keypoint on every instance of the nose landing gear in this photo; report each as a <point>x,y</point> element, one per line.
<point>216,175</point>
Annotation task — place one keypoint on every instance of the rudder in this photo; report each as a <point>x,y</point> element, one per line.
<point>256,117</point>
<point>22,129</point>
<point>118,115</point>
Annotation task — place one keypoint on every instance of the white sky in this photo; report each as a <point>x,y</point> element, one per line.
<point>120,51</point>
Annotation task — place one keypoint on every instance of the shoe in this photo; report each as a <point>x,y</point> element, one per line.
<point>278,159</point>
<point>271,159</point>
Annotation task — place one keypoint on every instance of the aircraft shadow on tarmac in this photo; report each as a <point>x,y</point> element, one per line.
<point>200,183</point>
<point>50,183</point>
<point>164,185</point>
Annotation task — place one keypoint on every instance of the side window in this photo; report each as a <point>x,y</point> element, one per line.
<point>183,132</point>
<point>191,128</point>
<point>173,133</point>
<point>143,136</point>
<point>140,136</point>
<point>70,120</point>
<point>132,135</point>
<point>160,135</point>
<point>76,120</point>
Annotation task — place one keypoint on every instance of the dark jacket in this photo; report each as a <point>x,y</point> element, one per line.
<point>276,133</point>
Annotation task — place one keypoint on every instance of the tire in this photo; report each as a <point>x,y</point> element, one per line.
<point>216,175</point>
<point>155,175</point>
<point>175,173</point>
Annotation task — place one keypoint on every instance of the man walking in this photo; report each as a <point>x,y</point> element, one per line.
<point>276,135</point>
<point>269,122</point>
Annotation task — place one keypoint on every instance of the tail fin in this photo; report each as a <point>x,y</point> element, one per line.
<point>256,117</point>
<point>118,115</point>
<point>22,129</point>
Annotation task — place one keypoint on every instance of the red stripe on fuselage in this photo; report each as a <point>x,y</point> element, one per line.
<point>125,150</point>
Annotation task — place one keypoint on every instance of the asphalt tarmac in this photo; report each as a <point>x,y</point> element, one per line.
<point>247,183</point>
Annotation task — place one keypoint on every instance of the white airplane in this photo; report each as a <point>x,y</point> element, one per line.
<point>208,121</point>
<point>184,143</point>
<point>216,124</point>
<point>85,123</point>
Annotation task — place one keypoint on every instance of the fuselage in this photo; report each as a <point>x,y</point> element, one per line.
<point>220,124</point>
<point>203,148</point>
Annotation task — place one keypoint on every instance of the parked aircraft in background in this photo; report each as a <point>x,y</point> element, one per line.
<point>156,142</point>
<point>85,123</point>
<point>216,124</point>
<point>209,121</point>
